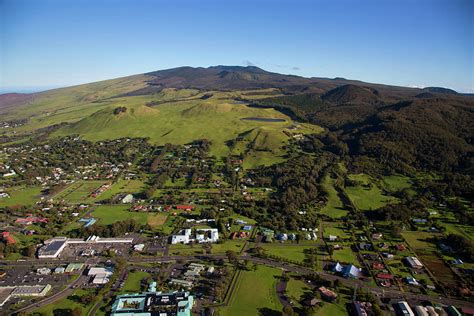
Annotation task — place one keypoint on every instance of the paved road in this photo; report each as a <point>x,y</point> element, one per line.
<point>57,296</point>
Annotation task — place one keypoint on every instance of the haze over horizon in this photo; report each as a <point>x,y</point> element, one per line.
<point>50,44</point>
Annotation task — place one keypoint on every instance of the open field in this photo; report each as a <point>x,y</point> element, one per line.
<point>334,207</point>
<point>156,220</point>
<point>395,183</point>
<point>293,252</point>
<point>122,186</point>
<point>345,255</point>
<point>367,195</point>
<point>133,282</point>
<point>68,303</point>
<point>79,192</point>
<point>184,121</point>
<point>21,196</point>
<point>108,214</point>
<point>295,289</point>
<point>424,247</point>
<point>256,290</point>
<point>235,245</point>
<point>335,229</point>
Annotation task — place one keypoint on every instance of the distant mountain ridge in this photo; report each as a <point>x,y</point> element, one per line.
<point>228,78</point>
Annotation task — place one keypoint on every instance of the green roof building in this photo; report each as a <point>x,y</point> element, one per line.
<point>153,304</point>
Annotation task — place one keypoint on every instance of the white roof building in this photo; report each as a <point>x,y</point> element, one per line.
<point>101,275</point>
<point>210,235</point>
<point>182,238</point>
<point>127,199</point>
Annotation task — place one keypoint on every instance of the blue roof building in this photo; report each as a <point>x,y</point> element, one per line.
<point>351,271</point>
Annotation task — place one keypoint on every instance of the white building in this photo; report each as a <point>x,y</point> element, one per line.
<point>53,247</point>
<point>203,235</point>
<point>182,238</point>
<point>127,199</point>
<point>207,235</point>
<point>101,275</point>
<point>414,262</point>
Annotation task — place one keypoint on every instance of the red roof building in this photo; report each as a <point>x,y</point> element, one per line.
<point>327,293</point>
<point>30,219</point>
<point>8,238</point>
<point>385,276</point>
<point>184,207</point>
<point>377,265</point>
<point>400,247</point>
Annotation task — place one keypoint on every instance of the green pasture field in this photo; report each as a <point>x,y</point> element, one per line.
<point>295,289</point>
<point>335,229</point>
<point>334,207</point>
<point>133,282</point>
<point>123,186</point>
<point>293,252</point>
<point>345,255</point>
<point>109,214</point>
<point>254,290</point>
<point>21,195</point>
<point>79,192</point>
<point>367,195</point>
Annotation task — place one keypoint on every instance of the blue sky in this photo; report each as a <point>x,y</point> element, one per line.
<point>401,42</point>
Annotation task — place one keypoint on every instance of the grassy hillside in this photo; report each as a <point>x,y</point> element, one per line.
<point>165,115</point>
<point>181,122</point>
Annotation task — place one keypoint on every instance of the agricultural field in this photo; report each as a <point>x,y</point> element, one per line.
<point>422,243</point>
<point>255,292</point>
<point>21,195</point>
<point>79,192</point>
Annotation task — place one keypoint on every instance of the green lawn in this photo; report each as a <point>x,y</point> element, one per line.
<point>254,290</point>
<point>108,214</point>
<point>133,282</point>
<point>235,245</point>
<point>345,255</point>
<point>334,229</point>
<point>295,290</point>
<point>122,186</point>
<point>420,241</point>
<point>331,309</point>
<point>293,252</point>
<point>396,182</point>
<point>21,195</point>
<point>69,302</point>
